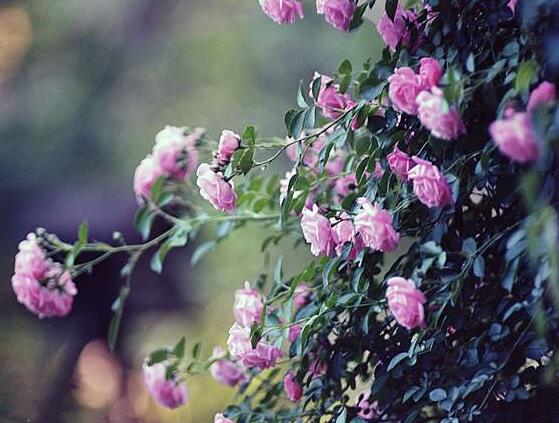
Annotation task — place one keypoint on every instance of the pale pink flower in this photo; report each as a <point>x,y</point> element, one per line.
<point>175,152</point>
<point>215,189</point>
<point>367,410</point>
<point>170,393</point>
<point>31,260</point>
<point>542,94</point>
<point>248,305</point>
<point>282,11</point>
<point>263,356</point>
<point>515,137</point>
<point>445,124</point>
<point>392,32</point>
<point>344,232</point>
<point>332,102</point>
<point>335,165</point>
<point>405,86</point>
<point>345,184</point>
<point>226,371</point>
<point>302,295</point>
<point>145,177</point>
<point>400,163</point>
<point>293,390</point>
<point>374,225</point>
<point>405,302</point>
<point>337,13</point>
<point>294,332</point>
<point>229,142</point>
<point>220,418</point>
<point>429,184</point>
<point>430,71</point>
<point>316,230</point>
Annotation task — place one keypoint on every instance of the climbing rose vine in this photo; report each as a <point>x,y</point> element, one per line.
<point>424,186</point>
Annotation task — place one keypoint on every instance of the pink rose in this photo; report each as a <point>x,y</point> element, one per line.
<point>293,389</point>
<point>31,260</point>
<point>515,137</point>
<point>374,225</point>
<point>282,11</point>
<point>215,189</point>
<point>429,184</point>
<point>311,154</point>
<point>316,230</point>
<point>367,410</point>
<point>226,371</point>
<point>263,356</point>
<point>220,418</point>
<point>337,13</point>
<point>294,332</point>
<point>512,5</point>
<point>336,164</point>
<point>229,142</point>
<point>170,393</point>
<point>405,85</point>
<point>345,184</point>
<point>405,302</point>
<point>542,94</point>
<point>302,295</point>
<point>343,232</point>
<point>379,171</point>
<point>175,152</point>
<point>400,163</point>
<point>248,305</point>
<point>332,102</point>
<point>430,71</point>
<point>446,125</point>
<point>392,32</point>
<point>145,177</point>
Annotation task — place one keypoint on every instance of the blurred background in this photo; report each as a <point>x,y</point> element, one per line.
<point>84,87</point>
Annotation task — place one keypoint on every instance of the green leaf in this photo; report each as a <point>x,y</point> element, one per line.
<point>143,221</point>
<point>302,100</point>
<point>249,135</point>
<point>158,356</point>
<point>470,63</point>
<point>315,86</point>
<point>326,272</point>
<point>201,251</point>
<point>157,189</point>
<point>342,418</point>
<point>245,162</point>
<point>527,71</point>
<point>345,67</point>
<point>396,360</point>
<point>437,394</point>
<point>297,124</point>
<point>196,350</point>
<point>178,351</point>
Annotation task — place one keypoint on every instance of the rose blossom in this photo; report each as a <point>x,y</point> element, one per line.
<point>429,184</point>
<point>31,259</point>
<point>515,137</point>
<point>430,71</point>
<point>345,184</point>
<point>293,389</point>
<point>337,13</point>
<point>342,232</point>
<point>332,102</point>
<point>405,302</point>
<point>226,371</point>
<point>248,305</point>
<point>220,418</point>
<point>170,393</point>
<point>282,11</point>
<point>175,152</point>
<point>400,163</point>
<point>446,125</point>
<point>145,176</point>
<point>405,85</point>
<point>542,94</point>
<point>239,345</point>
<point>215,189</point>
<point>392,32</point>
<point>316,230</point>
<point>294,332</point>
<point>374,225</point>
<point>302,295</point>
<point>229,142</point>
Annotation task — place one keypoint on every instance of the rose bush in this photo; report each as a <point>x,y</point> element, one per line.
<point>426,190</point>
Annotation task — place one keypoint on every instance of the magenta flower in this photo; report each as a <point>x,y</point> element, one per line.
<point>332,102</point>
<point>337,13</point>
<point>430,71</point>
<point>429,184</point>
<point>282,11</point>
<point>392,32</point>
<point>263,356</point>
<point>343,232</point>
<point>542,94</point>
<point>294,332</point>
<point>446,125</point>
<point>367,410</point>
<point>374,225</point>
<point>226,371</point>
<point>170,393</point>
<point>345,184</point>
<point>400,163</point>
<point>215,189</point>
<point>145,177</point>
<point>229,142</point>
<point>515,137</point>
<point>248,305</point>
<point>405,302</point>
<point>293,390</point>
<point>316,230</point>
<point>405,86</point>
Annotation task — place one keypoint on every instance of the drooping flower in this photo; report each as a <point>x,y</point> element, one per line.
<point>145,177</point>
<point>405,86</point>
<point>430,71</point>
<point>282,11</point>
<point>400,163</point>
<point>215,189</point>
<point>374,225</point>
<point>175,151</point>
<point>263,356</point>
<point>227,371</point>
<point>429,184</point>
<point>170,393</point>
<point>367,410</point>
<point>293,390</point>
<point>515,137</point>
<point>542,94</point>
<point>393,32</point>
<point>40,284</point>
<point>443,122</point>
<point>302,295</point>
<point>316,230</point>
<point>220,418</point>
<point>229,142</point>
<point>405,302</point>
<point>337,13</point>
<point>248,305</point>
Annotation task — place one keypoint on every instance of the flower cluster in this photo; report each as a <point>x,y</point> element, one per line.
<point>166,389</point>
